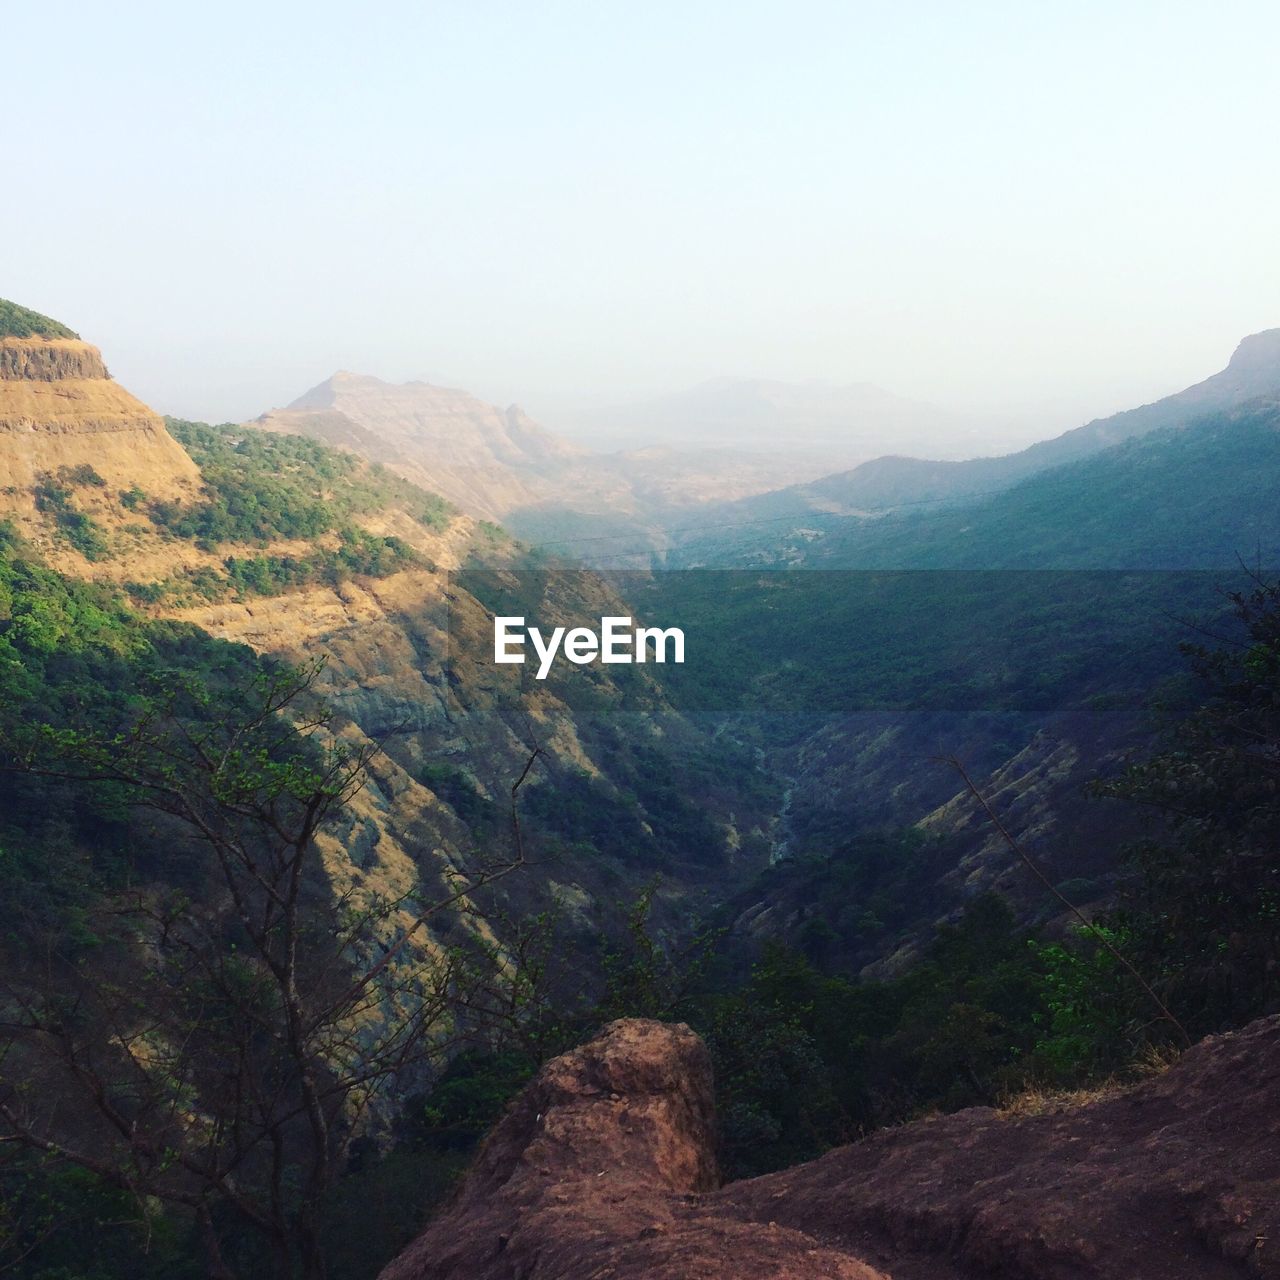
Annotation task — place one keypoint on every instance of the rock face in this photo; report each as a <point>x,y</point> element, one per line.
<point>60,408</point>
<point>603,1168</point>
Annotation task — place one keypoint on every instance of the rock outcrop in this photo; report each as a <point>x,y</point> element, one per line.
<point>60,408</point>
<point>603,1167</point>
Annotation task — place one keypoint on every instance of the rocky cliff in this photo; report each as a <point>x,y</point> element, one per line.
<point>604,1167</point>
<point>60,410</point>
<point>102,490</point>
<point>405,661</point>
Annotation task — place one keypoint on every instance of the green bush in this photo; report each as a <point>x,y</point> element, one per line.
<point>80,530</point>
<point>83,474</point>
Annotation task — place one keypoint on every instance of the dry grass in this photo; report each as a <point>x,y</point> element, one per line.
<point>1154,1061</point>
<point>1041,1100</point>
<point>1037,1100</point>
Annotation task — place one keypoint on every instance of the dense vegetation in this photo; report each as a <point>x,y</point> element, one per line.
<point>1200,912</point>
<point>356,553</point>
<point>21,322</point>
<point>119,735</point>
<point>266,487</point>
<point>82,866</point>
<point>993,1005</point>
<point>263,489</point>
<point>807,1055</point>
<point>838,642</point>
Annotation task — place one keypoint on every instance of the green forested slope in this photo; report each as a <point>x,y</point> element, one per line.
<point>22,322</point>
<point>1198,498</point>
<point>1195,497</point>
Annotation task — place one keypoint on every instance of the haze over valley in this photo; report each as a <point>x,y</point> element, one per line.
<point>702,498</point>
<point>640,641</point>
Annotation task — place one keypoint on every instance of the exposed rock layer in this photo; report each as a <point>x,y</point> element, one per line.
<point>601,1169</point>
<point>49,359</point>
<point>59,408</point>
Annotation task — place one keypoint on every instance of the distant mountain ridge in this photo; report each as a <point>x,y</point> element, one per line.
<point>889,482</point>
<point>1200,496</point>
<point>500,465</point>
<point>423,414</point>
<point>475,454</point>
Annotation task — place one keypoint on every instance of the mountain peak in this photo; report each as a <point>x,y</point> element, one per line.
<point>1257,351</point>
<point>477,455</point>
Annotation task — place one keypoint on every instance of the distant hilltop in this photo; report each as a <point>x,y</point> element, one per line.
<point>477,455</point>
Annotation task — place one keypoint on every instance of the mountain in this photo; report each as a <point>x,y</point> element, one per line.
<point>278,546</point>
<point>497,464</point>
<point>784,784</point>
<point>1200,495</point>
<point>61,415</point>
<point>841,423</point>
<point>476,455</point>
<point>890,482</point>
<point>1017,631</point>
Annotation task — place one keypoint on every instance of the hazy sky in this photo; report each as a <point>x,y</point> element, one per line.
<point>1062,204</point>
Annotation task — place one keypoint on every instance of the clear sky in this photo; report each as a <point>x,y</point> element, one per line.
<point>1067,205</point>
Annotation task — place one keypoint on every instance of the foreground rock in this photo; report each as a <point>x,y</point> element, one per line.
<point>604,1168</point>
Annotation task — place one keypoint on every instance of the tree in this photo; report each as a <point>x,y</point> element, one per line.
<point>1203,909</point>
<point>238,1019</point>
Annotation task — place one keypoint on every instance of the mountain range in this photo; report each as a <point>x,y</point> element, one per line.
<point>296,551</point>
<point>498,464</point>
<point>787,787</point>
<point>810,513</point>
